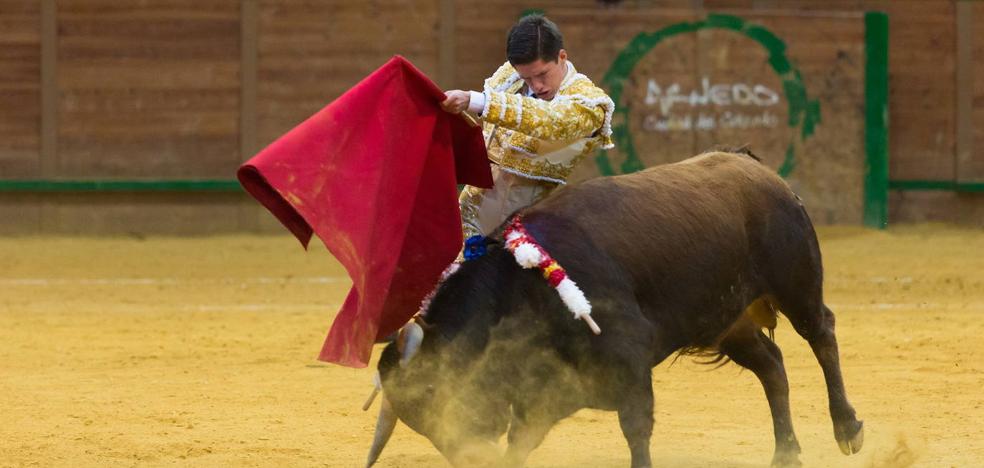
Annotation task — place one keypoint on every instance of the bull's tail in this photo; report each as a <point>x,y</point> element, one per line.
<point>762,312</point>
<point>703,356</point>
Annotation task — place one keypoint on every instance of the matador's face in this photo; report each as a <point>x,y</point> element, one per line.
<point>544,78</point>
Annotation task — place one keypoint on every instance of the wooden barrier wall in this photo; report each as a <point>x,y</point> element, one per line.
<point>187,89</point>
<point>150,91</point>
<point>970,91</point>
<point>20,85</point>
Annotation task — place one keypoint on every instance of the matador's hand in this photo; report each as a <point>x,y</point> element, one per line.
<point>456,102</point>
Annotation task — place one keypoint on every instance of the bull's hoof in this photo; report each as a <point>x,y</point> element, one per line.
<point>786,460</point>
<point>852,444</point>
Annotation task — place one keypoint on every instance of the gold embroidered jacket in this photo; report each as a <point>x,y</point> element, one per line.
<point>540,139</point>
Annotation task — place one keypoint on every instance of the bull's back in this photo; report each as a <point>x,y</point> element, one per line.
<point>686,235</point>
<point>706,199</point>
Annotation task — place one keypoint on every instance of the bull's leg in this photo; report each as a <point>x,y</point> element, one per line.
<point>530,423</point>
<point>848,431</point>
<point>750,348</point>
<point>525,434</point>
<point>794,276</point>
<point>635,416</point>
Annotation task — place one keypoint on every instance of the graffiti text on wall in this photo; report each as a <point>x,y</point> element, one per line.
<point>718,96</point>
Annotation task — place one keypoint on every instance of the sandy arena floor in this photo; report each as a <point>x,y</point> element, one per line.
<point>201,352</point>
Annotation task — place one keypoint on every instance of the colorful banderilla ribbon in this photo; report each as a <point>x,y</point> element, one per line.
<point>530,254</point>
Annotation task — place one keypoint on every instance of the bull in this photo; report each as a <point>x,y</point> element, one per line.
<point>693,257</point>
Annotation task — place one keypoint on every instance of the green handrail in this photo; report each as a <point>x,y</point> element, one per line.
<point>231,185</point>
<point>947,185</point>
<point>137,185</point>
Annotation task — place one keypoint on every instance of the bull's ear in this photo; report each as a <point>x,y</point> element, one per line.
<point>408,342</point>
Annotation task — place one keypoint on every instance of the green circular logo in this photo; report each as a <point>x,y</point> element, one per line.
<point>804,113</point>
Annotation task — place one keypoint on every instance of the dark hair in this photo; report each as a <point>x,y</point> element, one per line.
<point>533,37</point>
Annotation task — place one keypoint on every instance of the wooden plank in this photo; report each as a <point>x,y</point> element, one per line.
<point>20,76</point>
<point>158,213</point>
<point>154,10</point>
<point>446,52</point>
<point>936,207</point>
<point>765,4</point>
<point>965,92</point>
<point>249,42</point>
<point>20,214</point>
<point>976,165</point>
<point>728,4</point>
<point>796,6</point>
<point>49,87</point>
<point>249,17</point>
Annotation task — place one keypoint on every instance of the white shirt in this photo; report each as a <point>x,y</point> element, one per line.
<point>477,101</point>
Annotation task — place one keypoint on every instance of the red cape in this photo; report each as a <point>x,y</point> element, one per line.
<point>374,175</point>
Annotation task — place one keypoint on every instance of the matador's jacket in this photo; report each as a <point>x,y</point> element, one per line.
<point>533,144</point>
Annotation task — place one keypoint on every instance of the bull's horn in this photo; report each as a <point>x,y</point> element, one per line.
<point>411,337</point>
<point>377,386</point>
<point>385,424</point>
